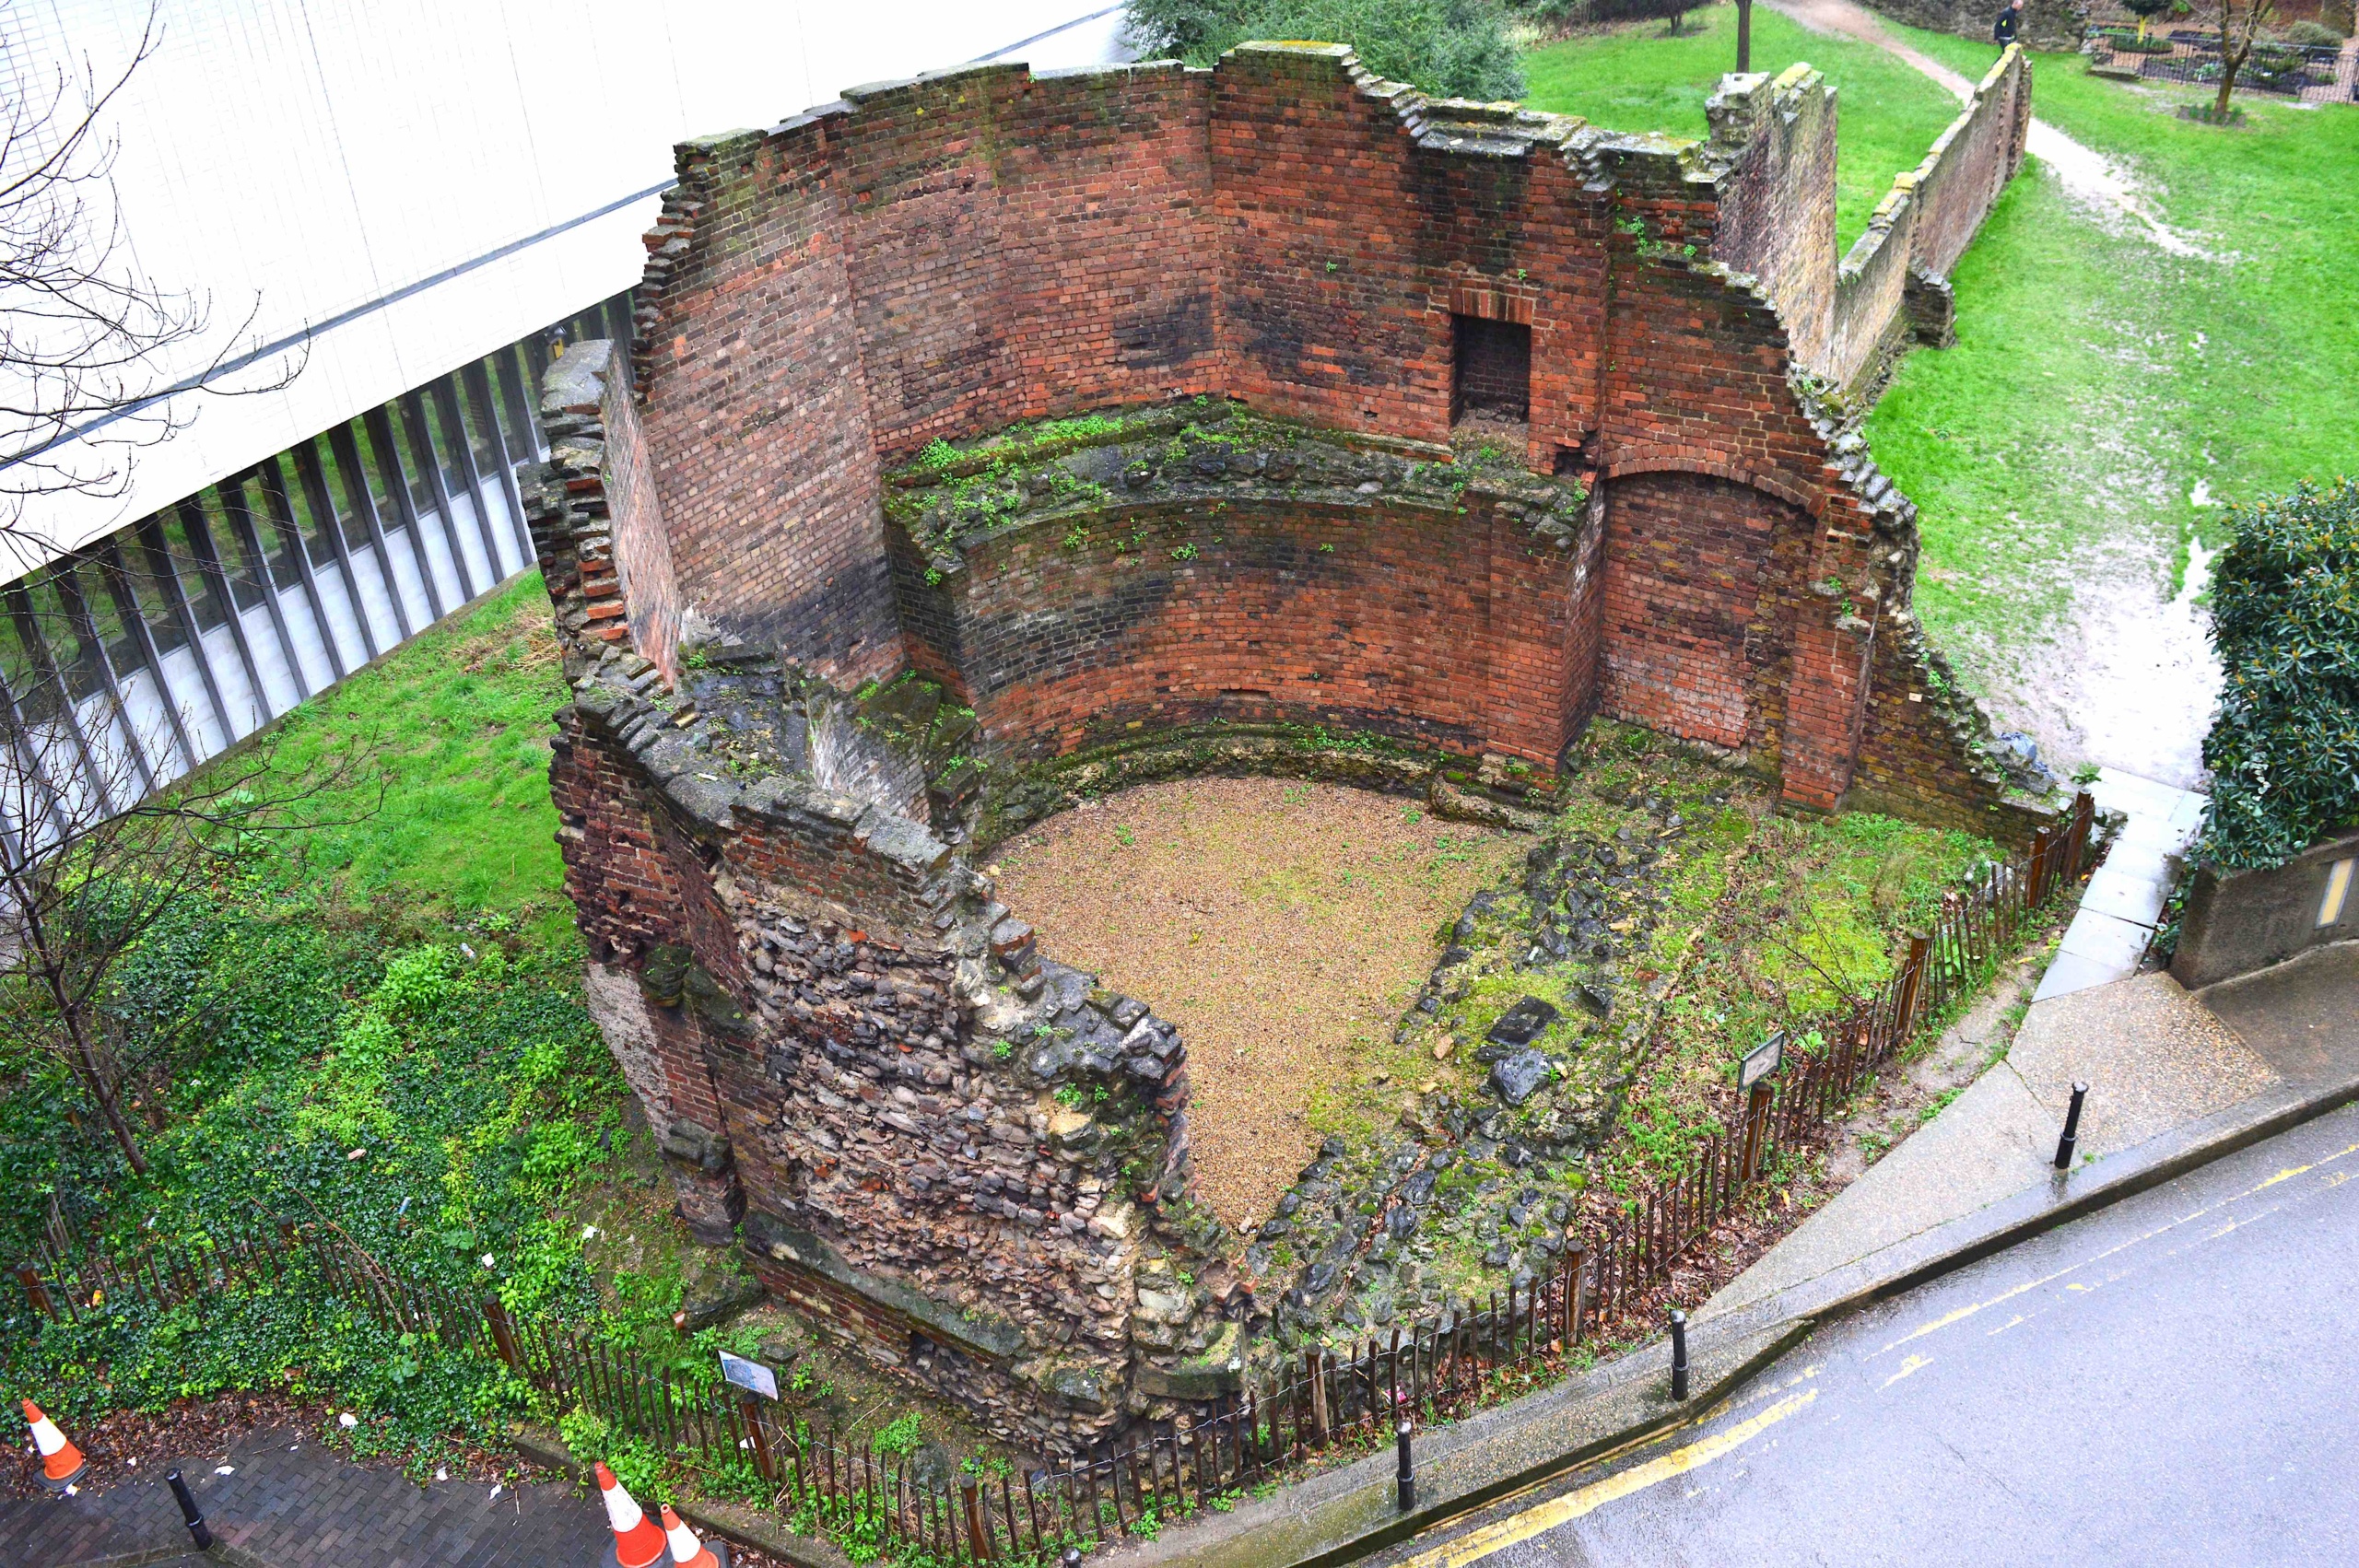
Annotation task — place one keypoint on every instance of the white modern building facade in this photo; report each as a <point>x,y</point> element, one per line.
<point>393,210</point>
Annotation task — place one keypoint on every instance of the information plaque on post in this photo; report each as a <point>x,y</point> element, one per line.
<point>1762,1061</point>
<point>750,1375</point>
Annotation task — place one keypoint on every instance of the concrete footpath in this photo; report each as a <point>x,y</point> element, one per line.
<point>2155,1058</point>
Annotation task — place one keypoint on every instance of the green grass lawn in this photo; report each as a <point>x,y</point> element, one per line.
<point>1634,78</point>
<point>455,728</point>
<point>2098,382</point>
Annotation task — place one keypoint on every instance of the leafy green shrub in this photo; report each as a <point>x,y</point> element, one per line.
<point>1455,48</point>
<point>2284,748</point>
<point>637,1463</point>
<point>434,1106</point>
<point>2312,35</point>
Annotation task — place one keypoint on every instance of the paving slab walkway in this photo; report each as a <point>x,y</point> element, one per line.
<point>286,1501</point>
<point>2156,1057</point>
<point>2124,899</point>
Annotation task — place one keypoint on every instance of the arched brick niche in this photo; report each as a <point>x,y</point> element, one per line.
<point>1700,604</point>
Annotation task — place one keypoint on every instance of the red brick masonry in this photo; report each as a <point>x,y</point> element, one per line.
<point>961,1155</point>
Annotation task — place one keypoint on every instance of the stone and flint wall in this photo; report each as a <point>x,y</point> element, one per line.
<point>987,423</point>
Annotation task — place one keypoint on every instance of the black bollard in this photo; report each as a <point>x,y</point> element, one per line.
<point>195,1521</point>
<point>1679,1355</point>
<point>2071,1128</point>
<point>1408,1479</point>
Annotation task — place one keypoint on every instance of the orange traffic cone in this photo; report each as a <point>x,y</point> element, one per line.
<point>687,1551</point>
<point>638,1543</point>
<point>60,1463</point>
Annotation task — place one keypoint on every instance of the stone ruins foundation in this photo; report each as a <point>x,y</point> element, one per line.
<point>990,438</point>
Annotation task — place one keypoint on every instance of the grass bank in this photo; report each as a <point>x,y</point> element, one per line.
<point>1633,77</point>
<point>376,1028</point>
<point>2106,394</point>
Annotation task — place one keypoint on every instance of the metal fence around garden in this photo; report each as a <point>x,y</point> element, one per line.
<point>1433,1369</point>
<point>2192,59</point>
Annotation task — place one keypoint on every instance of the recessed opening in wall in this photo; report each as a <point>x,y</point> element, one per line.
<point>1490,370</point>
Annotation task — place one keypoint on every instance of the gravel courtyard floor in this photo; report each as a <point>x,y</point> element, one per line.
<point>1312,915</point>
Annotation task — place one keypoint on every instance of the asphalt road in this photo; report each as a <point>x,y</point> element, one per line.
<point>2173,1380</point>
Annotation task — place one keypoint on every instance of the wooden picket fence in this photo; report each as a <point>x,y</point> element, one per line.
<point>1433,1369</point>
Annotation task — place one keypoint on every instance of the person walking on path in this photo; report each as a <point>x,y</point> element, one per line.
<point>2010,22</point>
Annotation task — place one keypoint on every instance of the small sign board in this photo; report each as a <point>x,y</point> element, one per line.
<point>749,1374</point>
<point>1762,1060</point>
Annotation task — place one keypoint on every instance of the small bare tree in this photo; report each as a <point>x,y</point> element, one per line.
<point>2239,23</point>
<point>96,360</point>
<point>88,868</point>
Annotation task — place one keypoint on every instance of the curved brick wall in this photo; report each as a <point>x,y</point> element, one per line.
<point>941,258</point>
<point>1244,293</point>
<point>1699,605</point>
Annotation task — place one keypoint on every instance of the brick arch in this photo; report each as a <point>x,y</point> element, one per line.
<point>1642,460</point>
<point>1696,564</point>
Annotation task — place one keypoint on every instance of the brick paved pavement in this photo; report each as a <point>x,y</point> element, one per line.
<point>290,1504</point>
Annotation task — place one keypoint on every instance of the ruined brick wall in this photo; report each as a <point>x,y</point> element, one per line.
<point>1433,611</point>
<point>1025,245</point>
<point>1894,279</point>
<point>1690,560</point>
<point>1918,724</point>
<point>1969,165</point>
<point>1357,220</point>
<point>1777,222</point>
<point>754,406</point>
<point>1249,285</point>
<point>1846,324</point>
<point>641,544</point>
<point>943,256</point>
<point>960,1156</point>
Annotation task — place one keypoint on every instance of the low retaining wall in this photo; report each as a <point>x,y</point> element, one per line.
<point>2047,24</point>
<point>2247,920</point>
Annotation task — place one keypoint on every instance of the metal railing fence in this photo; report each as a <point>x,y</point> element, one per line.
<point>1432,1369</point>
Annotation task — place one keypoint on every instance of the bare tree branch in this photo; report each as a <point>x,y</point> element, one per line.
<point>90,865</point>
<point>92,352</point>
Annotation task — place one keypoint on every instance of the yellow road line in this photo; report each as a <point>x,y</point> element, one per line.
<point>1914,1364</point>
<point>1960,1314</point>
<point>1543,1518</point>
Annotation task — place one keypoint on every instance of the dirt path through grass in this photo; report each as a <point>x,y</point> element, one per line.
<point>2139,340</point>
<point>2089,178</point>
<point>1311,914</point>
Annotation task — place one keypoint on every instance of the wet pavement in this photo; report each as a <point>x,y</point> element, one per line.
<point>2165,1382</point>
<point>279,1500</point>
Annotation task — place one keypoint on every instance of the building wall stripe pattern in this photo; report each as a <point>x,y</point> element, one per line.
<point>168,641</point>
